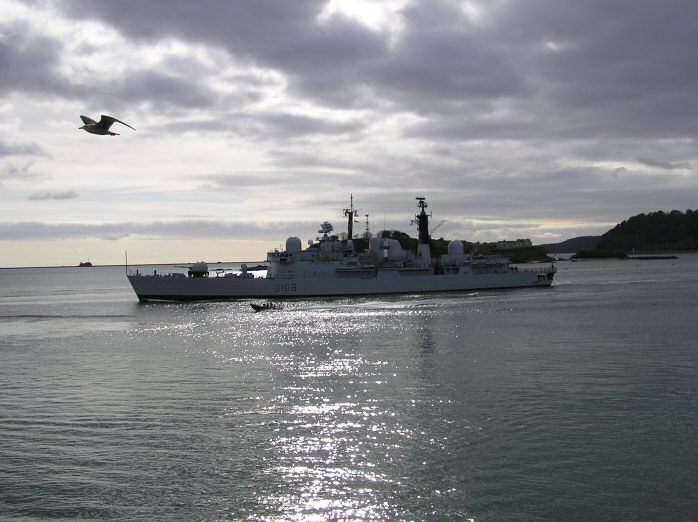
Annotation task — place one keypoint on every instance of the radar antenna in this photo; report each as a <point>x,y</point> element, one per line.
<point>325,229</point>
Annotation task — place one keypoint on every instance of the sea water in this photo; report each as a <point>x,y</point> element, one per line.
<point>577,402</point>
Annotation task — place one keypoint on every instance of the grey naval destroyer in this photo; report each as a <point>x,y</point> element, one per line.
<point>330,267</point>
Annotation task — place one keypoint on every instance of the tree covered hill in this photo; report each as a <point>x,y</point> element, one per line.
<point>675,230</point>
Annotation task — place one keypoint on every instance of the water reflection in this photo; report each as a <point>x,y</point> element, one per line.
<point>354,421</point>
<point>350,396</point>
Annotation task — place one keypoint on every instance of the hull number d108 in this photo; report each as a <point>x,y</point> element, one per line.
<point>284,287</point>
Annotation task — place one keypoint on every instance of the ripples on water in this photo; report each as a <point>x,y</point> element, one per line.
<point>573,403</point>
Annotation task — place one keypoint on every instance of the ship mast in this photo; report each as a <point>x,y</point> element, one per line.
<point>351,213</point>
<point>422,221</point>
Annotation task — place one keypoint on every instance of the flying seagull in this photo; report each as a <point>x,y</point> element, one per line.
<point>101,126</point>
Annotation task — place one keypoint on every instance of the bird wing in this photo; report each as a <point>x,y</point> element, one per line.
<point>106,121</point>
<point>87,121</point>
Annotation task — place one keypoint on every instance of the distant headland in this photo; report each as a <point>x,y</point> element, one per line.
<point>654,232</point>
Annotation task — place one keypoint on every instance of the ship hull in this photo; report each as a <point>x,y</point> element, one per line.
<point>154,288</point>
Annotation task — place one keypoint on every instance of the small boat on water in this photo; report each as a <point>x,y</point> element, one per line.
<point>266,306</point>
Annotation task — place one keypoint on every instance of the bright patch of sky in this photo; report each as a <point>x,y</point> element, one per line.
<point>378,16</point>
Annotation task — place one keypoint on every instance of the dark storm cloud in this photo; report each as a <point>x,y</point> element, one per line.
<point>565,69</point>
<point>322,60</point>
<point>275,33</point>
<point>439,58</point>
<point>28,61</point>
<point>610,68</point>
<point>243,25</point>
<point>442,61</point>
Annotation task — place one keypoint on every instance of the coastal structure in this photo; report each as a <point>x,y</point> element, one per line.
<point>331,267</point>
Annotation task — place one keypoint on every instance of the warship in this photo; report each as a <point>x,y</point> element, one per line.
<point>330,267</point>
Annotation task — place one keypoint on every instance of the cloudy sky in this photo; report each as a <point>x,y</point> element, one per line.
<point>256,120</point>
